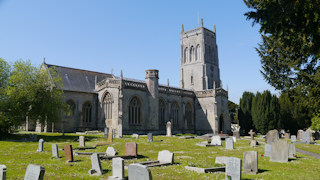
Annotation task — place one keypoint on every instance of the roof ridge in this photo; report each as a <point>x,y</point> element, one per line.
<point>77,69</point>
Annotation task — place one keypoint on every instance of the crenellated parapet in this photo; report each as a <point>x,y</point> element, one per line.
<point>212,93</point>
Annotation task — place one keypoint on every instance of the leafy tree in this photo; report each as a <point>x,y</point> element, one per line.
<point>244,112</point>
<point>290,47</point>
<point>233,111</point>
<point>4,80</point>
<point>315,123</point>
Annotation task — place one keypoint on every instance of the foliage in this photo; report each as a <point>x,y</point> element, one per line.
<point>4,80</point>
<point>233,111</point>
<point>315,123</point>
<point>290,47</point>
<point>244,112</point>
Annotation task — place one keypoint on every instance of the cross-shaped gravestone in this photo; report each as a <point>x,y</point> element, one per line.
<point>34,172</point>
<point>3,172</point>
<point>252,134</point>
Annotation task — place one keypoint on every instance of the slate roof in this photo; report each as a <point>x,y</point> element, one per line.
<point>77,79</point>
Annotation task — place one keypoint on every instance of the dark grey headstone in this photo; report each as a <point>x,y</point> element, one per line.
<point>55,151</point>
<point>293,138</point>
<point>292,151</point>
<point>229,143</point>
<point>233,168</point>
<point>139,172</point>
<point>3,172</point>
<point>250,162</point>
<point>150,137</point>
<point>267,150</point>
<point>96,165</point>
<point>34,172</point>
<point>40,147</point>
<point>279,151</point>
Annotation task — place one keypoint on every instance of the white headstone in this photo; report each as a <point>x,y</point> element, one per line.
<point>40,148</point>
<point>111,151</point>
<point>139,172</point>
<point>82,141</point>
<point>34,172</point>
<point>293,138</point>
<point>165,156</point>
<point>135,136</point>
<point>117,169</point>
<point>216,140</point>
<point>96,165</point>
<point>169,129</point>
<point>233,168</point>
<point>267,150</point>
<point>229,143</point>
<point>55,151</point>
<point>234,139</point>
<point>3,172</point>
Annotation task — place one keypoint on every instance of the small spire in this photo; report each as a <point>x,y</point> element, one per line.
<point>201,22</point>
<point>95,79</point>
<point>168,83</point>
<point>121,75</point>
<point>214,28</point>
<point>44,60</point>
<point>182,28</point>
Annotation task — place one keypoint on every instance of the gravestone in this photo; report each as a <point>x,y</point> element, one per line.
<point>292,151</point>
<point>299,134</point>
<point>306,137</point>
<point>3,172</point>
<point>272,136</point>
<point>216,140</point>
<point>253,143</point>
<point>68,153</point>
<point>150,137</point>
<point>233,168</point>
<point>236,134</point>
<point>221,160</point>
<point>250,162</point>
<point>95,165</point>
<point>82,141</point>
<point>34,172</point>
<point>111,151</point>
<point>166,156</point>
<point>110,136</point>
<point>117,169</point>
<point>131,149</point>
<point>234,139</point>
<point>139,172</point>
<point>55,151</point>
<point>105,132</point>
<point>135,136</point>
<point>267,150</point>
<point>169,129</point>
<point>229,143</point>
<point>287,135</point>
<point>279,151</point>
<point>252,134</point>
<point>113,133</point>
<point>293,138</point>
<point>40,148</point>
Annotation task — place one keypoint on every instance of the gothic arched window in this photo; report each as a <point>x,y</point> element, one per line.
<point>188,114</point>
<point>107,106</point>
<point>197,55</point>
<point>86,110</point>
<point>162,112</point>
<point>135,111</point>
<point>71,108</point>
<point>185,55</point>
<point>175,113</point>
<point>191,54</point>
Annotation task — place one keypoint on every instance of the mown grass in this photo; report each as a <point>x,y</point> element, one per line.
<point>17,155</point>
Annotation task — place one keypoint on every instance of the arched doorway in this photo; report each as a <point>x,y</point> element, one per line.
<point>221,123</point>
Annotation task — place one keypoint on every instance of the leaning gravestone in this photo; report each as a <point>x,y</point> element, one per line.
<point>250,162</point>
<point>166,156</point>
<point>34,172</point>
<point>306,137</point>
<point>279,151</point>
<point>55,151</point>
<point>267,150</point>
<point>82,141</point>
<point>40,148</point>
<point>150,137</point>
<point>293,138</point>
<point>233,168</point>
<point>96,165</point>
<point>216,140</point>
<point>229,143</point>
<point>3,172</point>
<point>111,151</point>
<point>68,153</point>
<point>117,169</point>
<point>139,172</point>
<point>131,149</point>
<point>272,136</point>
<point>292,151</point>
<point>252,134</point>
<point>169,129</point>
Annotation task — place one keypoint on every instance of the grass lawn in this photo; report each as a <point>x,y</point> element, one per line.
<point>17,155</point>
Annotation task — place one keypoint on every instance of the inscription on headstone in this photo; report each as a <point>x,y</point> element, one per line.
<point>131,149</point>
<point>82,141</point>
<point>233,168</point>
<point>250,162</point>
<point>139,172</point>
<point>68,153</point>
<point>150,137</point>
<point>279,151</point>
<point>55,151</point>
<point>96,165</point>
<point>34,172</point>
<point>3,172</point>
<point>229,143</point>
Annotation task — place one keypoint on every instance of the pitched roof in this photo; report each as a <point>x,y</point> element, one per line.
<point>77,79</point>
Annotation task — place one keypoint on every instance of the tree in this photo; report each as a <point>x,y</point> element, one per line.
<point>233,111</point>
<point>315,123</point>
<point>244,112</point>
<point>4,80</point>
<point>290,47</point>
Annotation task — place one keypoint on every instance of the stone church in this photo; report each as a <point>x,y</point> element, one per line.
<point>199,105</point>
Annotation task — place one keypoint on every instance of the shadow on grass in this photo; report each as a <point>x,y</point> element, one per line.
<point>47,138</point>
<point>262,170</point>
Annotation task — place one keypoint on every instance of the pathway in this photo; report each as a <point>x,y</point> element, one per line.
<point>314,155</point>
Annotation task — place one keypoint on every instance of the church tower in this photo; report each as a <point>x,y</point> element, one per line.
<point>199,68</point>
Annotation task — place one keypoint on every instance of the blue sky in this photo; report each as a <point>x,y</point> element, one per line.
<point>101,35</point>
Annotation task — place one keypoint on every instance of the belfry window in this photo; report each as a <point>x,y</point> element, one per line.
<point>191,54</point>
<point>185,55</point>
<point>135,111</point>
<point>86,112</point>
<point>197,55</point>
<point>107,106</point>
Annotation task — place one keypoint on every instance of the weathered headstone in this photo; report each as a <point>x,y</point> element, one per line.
<point>236,134</point>
<point>287,135</point>
<point>216,140</point>
<point>293,138</point>
<point>229,143</point>
<point>3,172</point>
<point>34,172</point>
<point>166,156</point>
<point>267,150</point>
<point>252,134</point>
<point>105,132</point>
<point>111,151</point>
<point>110,136</point>
<point>299,134</point>
<point>221,160</point>
<point>292,151</point>
<point>169,129</point>
<point>113,133</point>
<point>139,172</point>
<point>40,147</point>
<point>150,137</point>
<point>68,153</point>
<point>306,137</point>
<point>250,162</point>
<point>82,141</point>
<point>272,136</point>
<point>131,149</point>
<point>117,169</point>
<point>135,136</point>
<point>233,168</point>
<point>95,165</point>
<point>279,151</point>
<point>55,151</point>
